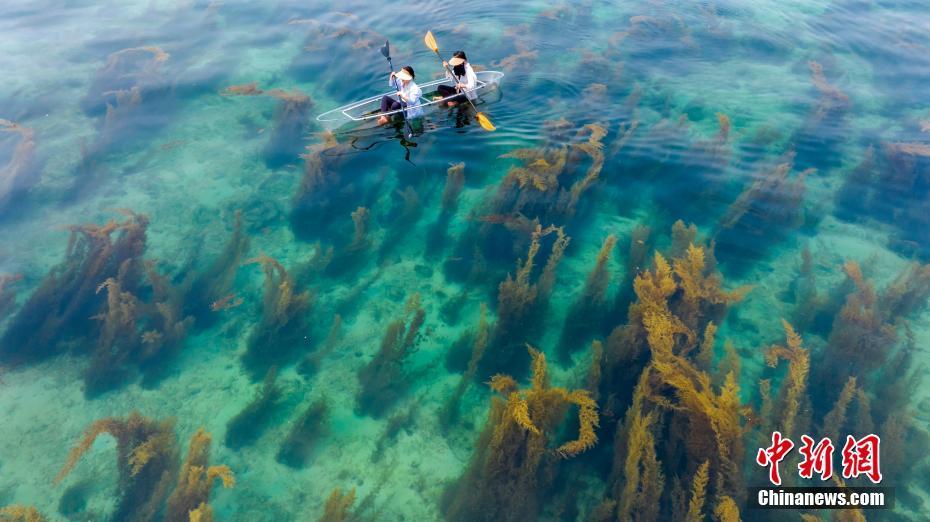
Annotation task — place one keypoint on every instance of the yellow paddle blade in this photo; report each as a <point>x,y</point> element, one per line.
<point>485,122</point>
<point>431,42</point>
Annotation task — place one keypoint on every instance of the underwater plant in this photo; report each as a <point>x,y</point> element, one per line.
<point>21,514</point>
<point>908,293</point>
<point>832,98</point>
<point>512,468</point>
<point>165,327</point>
<point>764,213</point>
<point>352,256</point>
<point>808,303</point>
<point>402,218</point>
<point>519,302</point>
<point>118,342</point>
<point>58,310</point>
<point>637,259</point>
<point>210,287</point>
<point>138,68</point>
<point>852,198</point>
<point>819,140</point>
<point>638,480</point>
<point>283,329</point>
<point>546,185</point>
<point>323,196</point>
<point>678,410</point>
<point>196,481</point>
<point>901,194</point>
<point>861,339</point>
<point>304,435</point>
<point>450,410</point>
<point>245,89</point>
<point>21,172</point>
<point>337,506</point>
<point>146,457</point>
<point>789,413</point>
<point>247,426</point>
<point>292,118</point>
<point>586,314</point>
<point>383,380</point>
<point>455,181</point>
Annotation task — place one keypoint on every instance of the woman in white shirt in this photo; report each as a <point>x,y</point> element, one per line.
<point>408,94</point>
<point>465,80</point>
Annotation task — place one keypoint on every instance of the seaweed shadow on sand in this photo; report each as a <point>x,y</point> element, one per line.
<point>304,436</point>
<point>248,425</point>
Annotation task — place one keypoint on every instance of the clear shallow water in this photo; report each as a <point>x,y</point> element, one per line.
<point>835,87</point>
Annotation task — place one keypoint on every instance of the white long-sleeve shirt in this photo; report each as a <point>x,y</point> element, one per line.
<point>470,80</point>
<point>412,93</point>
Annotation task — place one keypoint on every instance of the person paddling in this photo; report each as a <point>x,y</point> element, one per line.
<point>465,80</point>
<point>408,95</point>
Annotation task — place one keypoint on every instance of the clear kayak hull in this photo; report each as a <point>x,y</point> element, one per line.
<point>368,108</point>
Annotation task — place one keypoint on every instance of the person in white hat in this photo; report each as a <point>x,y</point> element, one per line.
<point>465,80</point>
<point>408,95</point>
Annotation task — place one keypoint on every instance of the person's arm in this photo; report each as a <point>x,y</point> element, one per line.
<point>445,68</point>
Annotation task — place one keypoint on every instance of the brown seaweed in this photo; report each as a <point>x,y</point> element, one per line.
<point>382,380</point>
<point>585,315</point>
<point>21,172</point>
<point>513,468</point>
<point>60,308</point>
<point>147,459</point>
<point>450,411</point>
<point>283,331</point>
<point>519,302</point>
<point>196,480</point>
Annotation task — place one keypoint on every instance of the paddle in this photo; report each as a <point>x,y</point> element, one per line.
<point>386,51</point>
<point>482,119</point>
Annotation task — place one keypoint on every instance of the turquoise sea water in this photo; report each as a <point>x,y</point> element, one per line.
<point>313,298</point>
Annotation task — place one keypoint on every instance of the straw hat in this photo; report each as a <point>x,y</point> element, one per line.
<point>458,58</point>
<point>403,74</point>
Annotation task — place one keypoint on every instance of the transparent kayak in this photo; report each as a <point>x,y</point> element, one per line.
<point>369,108</point>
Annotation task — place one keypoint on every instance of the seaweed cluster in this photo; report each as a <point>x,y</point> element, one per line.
<point>107,301</point>
<point>546,186</point>
<point>384,379</point>
<point>891,184</point>
<point>21,171</point>
<point>655,415</point>
<point>513,467</point>
<point>283,329</point>
<point>147,459</point>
